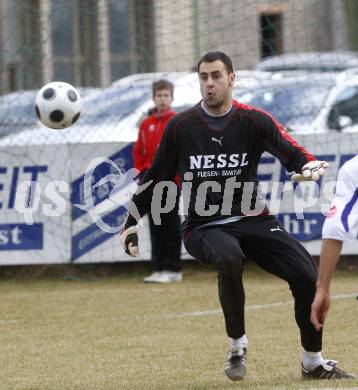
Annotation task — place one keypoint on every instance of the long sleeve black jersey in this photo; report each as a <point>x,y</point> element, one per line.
<point>218,168</point>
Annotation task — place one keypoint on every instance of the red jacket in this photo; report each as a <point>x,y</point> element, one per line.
<point>149,136</point>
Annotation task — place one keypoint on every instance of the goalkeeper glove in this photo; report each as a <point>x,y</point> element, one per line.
<point>313,170</point>
<point>129,240</point>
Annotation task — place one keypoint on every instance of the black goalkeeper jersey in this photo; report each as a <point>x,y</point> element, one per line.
<point>218,168</point>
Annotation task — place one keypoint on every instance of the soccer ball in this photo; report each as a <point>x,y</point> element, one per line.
<point>58,105</point>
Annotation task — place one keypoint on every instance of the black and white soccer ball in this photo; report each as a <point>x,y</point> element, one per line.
<point>58,105</point>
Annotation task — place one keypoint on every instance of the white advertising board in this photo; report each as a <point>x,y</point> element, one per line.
<point>91,242</point>
<point>35,224</point>
<point>66,226</point>
<point>303,218</point>
<point>303,207</point>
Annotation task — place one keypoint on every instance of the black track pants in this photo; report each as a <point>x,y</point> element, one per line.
<point>264,241</point>
<point>166,240</point>
<point>166,243</point>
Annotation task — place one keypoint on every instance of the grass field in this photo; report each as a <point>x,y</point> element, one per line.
<point>114,332</point>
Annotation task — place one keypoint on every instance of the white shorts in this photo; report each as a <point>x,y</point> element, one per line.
<point>342,218</point>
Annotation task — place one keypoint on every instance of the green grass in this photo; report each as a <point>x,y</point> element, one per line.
<point>118,333</point>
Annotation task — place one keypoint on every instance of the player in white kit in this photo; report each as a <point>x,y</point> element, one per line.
<point>341,224</point>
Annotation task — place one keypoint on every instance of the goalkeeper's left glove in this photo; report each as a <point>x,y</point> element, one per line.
<point>129,240</point>
<point>313,170</point>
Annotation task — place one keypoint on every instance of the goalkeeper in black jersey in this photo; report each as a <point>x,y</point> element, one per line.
<point>216,147</point>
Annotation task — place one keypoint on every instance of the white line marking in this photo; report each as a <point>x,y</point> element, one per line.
<point>332,388</point>
<point>248,307</point>
<point>4,322</point>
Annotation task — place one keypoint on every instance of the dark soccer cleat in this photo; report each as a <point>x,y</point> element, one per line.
<point>326,371</point>
<point>235,367</point>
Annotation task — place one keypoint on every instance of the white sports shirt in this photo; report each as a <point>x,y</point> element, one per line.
<point>341,222</point>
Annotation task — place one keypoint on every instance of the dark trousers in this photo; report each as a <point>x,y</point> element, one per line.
<point>166,241</point>
<point>274,250</point>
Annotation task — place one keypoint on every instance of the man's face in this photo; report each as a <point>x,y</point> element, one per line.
<point>163,99</point>
<point>215,83</point>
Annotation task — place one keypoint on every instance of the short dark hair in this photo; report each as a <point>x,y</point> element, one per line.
<point>162,84</point>
<point>212,56</point>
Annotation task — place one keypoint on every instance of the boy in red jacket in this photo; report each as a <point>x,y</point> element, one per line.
<point>165,238</point>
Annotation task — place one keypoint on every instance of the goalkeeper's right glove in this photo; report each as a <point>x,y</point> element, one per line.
<point>129,240</point>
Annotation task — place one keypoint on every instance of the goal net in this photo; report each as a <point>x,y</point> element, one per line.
<point>295,59</point>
